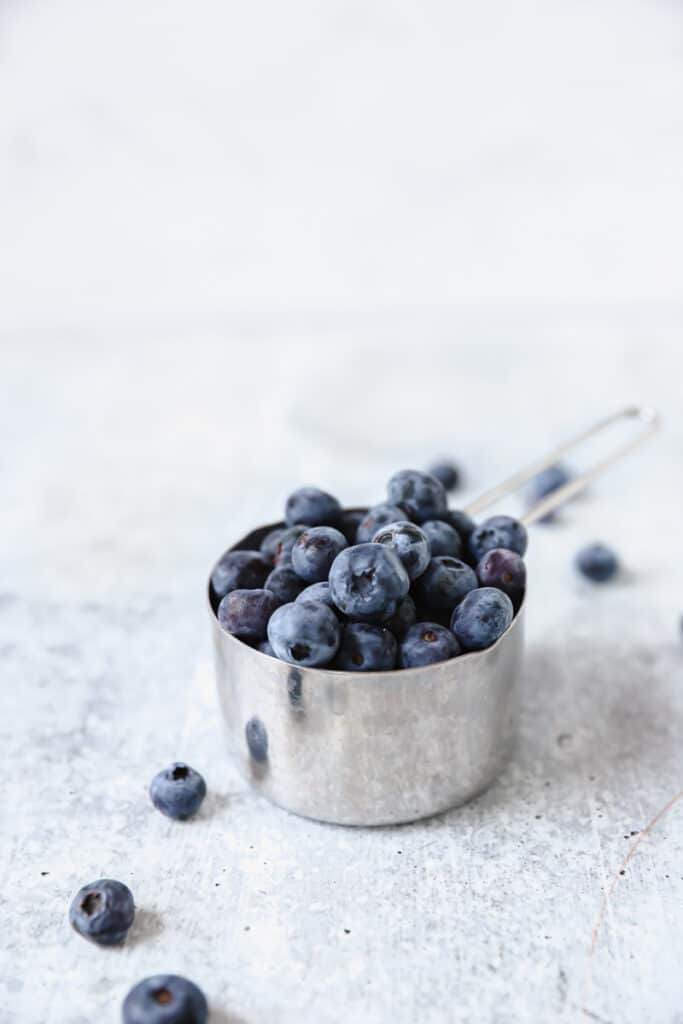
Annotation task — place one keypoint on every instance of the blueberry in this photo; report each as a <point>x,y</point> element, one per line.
<point>315,551</point>
<point>408,542</point>
<point>269,544</point>
<point>304,633</point>
<point>403,618</point>
<point>165,999</point>
<point>423,495</point>
<point>238,570</point>
<point>256,738</point>
<point>445,582</point>
<point>178,791</point>
<point>447,473</point>
<point>366,648</point>
<point>288,538</point>
<point>498,532</point>
<point>284,583</point>
<point>481,618</point>
<point>460,521</point>
<point>312,507</point>
<point>103,911</point>
<point>367,581</point>
<point>425,643</point>
<point>443,538</point>
<point>375,518</point>
<point>351,519</point>
<point>265,648</point>
<point>544,483</point>
<point>320,593</point>
<point>505,570</point>
<point>245,613</point>
<point>597,562</point>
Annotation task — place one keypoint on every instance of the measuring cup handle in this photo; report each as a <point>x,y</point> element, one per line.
<point>643,414</point>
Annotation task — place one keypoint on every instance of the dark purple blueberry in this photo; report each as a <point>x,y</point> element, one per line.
<point>443,538</point>
<point>165,999</point>
<point>366,648</point>
<point>351,519</point>
<point>367,581</point>
<point>284,583</point>
<point>403,618</point>
<point>545,483</point>
<point>481,618</point>
<point>245,613</point>
<point>460,521</point>
<point>320,593</point>
<point>506,570</point>
<point>304,633</point>
<point>315,551</point>
<point>178,791</point>
<point>498,532</point>
<point>269,544</point>
<point>375,518</point>
<point>445,582</point>
<point>447,473</point>
<point>426,643</point>
<point>312,507</point>
<point>103,911</point>
<point>288,538</point>
<point>597,562</point>
<point>408,542</point>
<point>423,495</point>
<point>238,570</point>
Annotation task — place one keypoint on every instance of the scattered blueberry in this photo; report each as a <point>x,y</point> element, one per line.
<point>284,583</point>
<point>318,593</point>
<point>481,618</point>
<point>460,521</point>
<point>597,562</point>
<point>445,582</point>
<point>287,540</point>
<point>366,648</point>
<point>103,911</point>
<point>426,643</point>
<point>315,551</point>
<point>375,518</point>
<point>269,544</point>
<point>403,618</point>
<point>304,633</point>
<point>256,738</point>
<point>178,791</point>
<point>312,507</point>
<point>498,532</point>
<point>408,542</point>
<point>423,495</point>
<point>245,613</point>
<point>165,999</point>
<point>367,581</point>
<point>447,473</point>
<point>238,570</point>
<point>443,538</point>
<point>351,519</point>
<point>544,483</point>
<point>505,570</point>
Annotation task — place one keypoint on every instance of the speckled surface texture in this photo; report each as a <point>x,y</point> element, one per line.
<point>128,464</point>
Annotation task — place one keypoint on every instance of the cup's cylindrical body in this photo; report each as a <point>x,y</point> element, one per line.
<point>369,748</point>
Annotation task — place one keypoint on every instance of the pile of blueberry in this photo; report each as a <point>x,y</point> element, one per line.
<point>408,582</point>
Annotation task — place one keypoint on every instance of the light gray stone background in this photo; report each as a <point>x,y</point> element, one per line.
<point>247,247</point>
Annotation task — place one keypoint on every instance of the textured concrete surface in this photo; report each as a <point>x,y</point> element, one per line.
<point>128,463</point>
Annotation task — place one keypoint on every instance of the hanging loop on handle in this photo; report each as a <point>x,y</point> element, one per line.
<point>643,414</point>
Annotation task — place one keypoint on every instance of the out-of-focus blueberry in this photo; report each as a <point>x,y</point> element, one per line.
<point>597,562</point>
<point>403,618</point>
<point>375,518</point>
<point>423,495</point>
<point>315,551</point>
<point>238,570</point>
<point>103,911</point>
<point>245,613</point>
<point>318,593</point>
<point>178,791</point>
<point>443,538</point>
<point>312,507</point>
<point>426,643</point>
<point>498,532</point>
<point>544,483</point>
<point>284,583</point>
<point>408,542</point>
<point>304,633</point>
<point>288,538</point>
<point>445,582</point>
<point>366,648</point>
<point>367,581</point>
<point>351,518</point>
<point>481,617</point>
<point>447,473</point>
<point>506,570</point>
<point>165,999</point>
